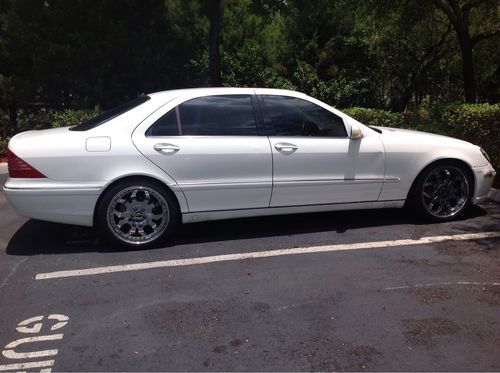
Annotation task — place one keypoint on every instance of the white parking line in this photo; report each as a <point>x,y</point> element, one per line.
<point>262,254</point>
<point>464,283</point>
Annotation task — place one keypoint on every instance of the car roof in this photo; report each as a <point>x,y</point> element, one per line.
<point>224,90</point>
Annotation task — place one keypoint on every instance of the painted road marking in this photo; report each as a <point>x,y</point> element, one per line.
<point>22,366</point>
<point>9,352</point>
<point>262,254</point>
<point>463,283</point>
<point>23,327</point>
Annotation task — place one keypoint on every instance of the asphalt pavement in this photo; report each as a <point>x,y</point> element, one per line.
<point>353,291</point>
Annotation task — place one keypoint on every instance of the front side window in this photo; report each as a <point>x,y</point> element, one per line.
<point>225,115</point>
<point>292,116</point>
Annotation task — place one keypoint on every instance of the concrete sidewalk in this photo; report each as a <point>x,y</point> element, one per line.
<point>3,168</point>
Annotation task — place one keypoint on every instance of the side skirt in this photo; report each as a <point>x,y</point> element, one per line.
<point>195,217</point>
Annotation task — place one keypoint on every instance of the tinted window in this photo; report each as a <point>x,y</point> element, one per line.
<point>218,115</point>
<point>110,114</point>
<point>291,116</point>
<point>165,126</point>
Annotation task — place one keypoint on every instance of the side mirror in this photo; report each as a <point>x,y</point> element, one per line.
<point>356,132</point>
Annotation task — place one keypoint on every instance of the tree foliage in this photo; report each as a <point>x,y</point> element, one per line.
<point>382,54</point>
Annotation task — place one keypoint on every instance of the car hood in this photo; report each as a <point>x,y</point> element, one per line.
<point>418,136</point>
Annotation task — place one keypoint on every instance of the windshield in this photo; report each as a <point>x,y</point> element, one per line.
<point>110,114</point>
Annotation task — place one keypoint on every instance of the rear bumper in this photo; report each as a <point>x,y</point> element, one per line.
<point>69,204</point>
<point>484,177</point>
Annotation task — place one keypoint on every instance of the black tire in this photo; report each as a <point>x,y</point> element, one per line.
<point>442,192</point>
<point>137,213</point>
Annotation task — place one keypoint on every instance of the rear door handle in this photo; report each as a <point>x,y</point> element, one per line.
<point>166,148</point>
<point>285,146</point>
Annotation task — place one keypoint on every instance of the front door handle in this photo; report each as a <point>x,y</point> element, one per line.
<point>285,146</point>
<point>166,148</point>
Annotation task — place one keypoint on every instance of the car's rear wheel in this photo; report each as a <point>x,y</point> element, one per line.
<point>442,192</point>
<point>137,214</point>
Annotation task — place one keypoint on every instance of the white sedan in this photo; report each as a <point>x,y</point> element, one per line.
<point>192,155</point>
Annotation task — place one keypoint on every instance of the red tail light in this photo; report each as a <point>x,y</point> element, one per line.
<point>21,169</point>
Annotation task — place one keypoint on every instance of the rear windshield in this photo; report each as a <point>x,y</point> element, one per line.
<point>110,114</point>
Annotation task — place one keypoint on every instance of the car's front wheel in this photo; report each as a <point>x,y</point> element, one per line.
<point>137,214</point>
<point>442,191</point>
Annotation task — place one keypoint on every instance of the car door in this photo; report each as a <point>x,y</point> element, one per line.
<point>314,160</point>
<point>210,147</point>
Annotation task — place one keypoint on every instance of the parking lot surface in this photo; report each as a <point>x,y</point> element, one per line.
<point>359,290</point>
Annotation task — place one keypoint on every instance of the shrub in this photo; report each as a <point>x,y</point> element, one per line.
<point>46,118</point>
<point>477,123</point>
<point>41,119</point>
<point>3,146</point>
<point>376,117</point>
<point>71,117</point>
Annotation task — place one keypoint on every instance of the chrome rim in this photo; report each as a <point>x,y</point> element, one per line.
<point>138,214</point>
<point>445,191</point>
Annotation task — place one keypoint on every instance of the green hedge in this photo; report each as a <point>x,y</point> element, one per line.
<point>476,123</point>
<point>376,117</point>
<point>42,119</point>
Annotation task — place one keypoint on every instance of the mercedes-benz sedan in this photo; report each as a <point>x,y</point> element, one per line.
<point>203,154</point>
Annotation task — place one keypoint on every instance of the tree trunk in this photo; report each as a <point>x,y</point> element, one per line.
<point>468,68</point>
<point>459,18</point>
<point>401,101</point>
<point>214,12</point>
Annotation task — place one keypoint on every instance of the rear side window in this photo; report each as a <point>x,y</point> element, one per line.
<point>165,126</point>
<point>224,115</point>
<point>292,116</point>
<point>110,114</point>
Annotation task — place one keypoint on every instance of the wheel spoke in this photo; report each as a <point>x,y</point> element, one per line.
<point>447,175</point>
<point>134,194</point>
<point>431,196</point>
<point>124,214</point>
<point>151,214</point>
<point>440,207</point>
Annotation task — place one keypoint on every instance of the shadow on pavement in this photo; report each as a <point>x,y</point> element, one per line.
<point>38,237</point>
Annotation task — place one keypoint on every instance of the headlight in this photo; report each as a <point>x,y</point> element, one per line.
<point>485,155</point>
